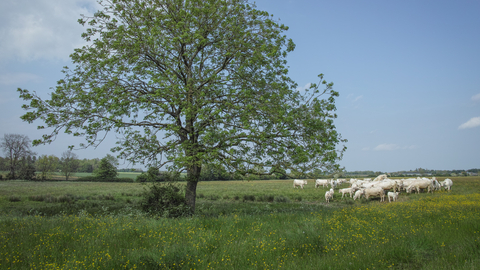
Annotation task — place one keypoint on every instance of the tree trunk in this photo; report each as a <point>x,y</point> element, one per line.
<point>193,175</point>
<point>191,194</point>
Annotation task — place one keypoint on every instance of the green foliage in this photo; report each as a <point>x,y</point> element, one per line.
<point>98,179</point>
<point>27,169</point>
<point>165,200</point>
<point>282,199</point>
<point>46,165</point>
<point>141,178</point>
<point>153,175</point>
<point>14,198</point>
<point>210,76</point>
<point>106,171</point>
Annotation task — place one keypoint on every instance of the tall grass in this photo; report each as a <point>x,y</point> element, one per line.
<point>424,231</point>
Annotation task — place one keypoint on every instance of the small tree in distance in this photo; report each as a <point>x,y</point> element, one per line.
<point>16,147</point>
<point>106,170</point>
<point>46,165</point>
<point>69,163</point>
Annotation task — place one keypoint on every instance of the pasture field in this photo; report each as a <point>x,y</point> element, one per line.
<point>238,225</point>
<point>59,176</point>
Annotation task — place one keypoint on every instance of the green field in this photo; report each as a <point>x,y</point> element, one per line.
<point>238,225</point>
<point>59,176</point>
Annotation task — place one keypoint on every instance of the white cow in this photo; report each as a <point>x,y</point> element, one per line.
<point>393,196</point>
<point>447,184</point>
<point>407,182</point>
<point>341,181</point>
<point>329,195</point>
<point>333,184</point>
<point>321,182</point>
<point>359,194</point>
<point>350,191</point>
<point>299,183</point>
<point>375,191</point>
<point>380,177</point>
<point>388,184</point>
<point>436,184</point>
<point>420,184</point>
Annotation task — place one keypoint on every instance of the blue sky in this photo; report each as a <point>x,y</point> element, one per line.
<point>408,73</point>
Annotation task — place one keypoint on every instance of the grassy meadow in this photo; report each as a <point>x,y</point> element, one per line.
<point>238,225</point>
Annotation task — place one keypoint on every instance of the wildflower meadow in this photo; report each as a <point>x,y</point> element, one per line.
<point>238,225</point>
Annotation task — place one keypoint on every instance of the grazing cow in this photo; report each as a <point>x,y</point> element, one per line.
<point>393,196</point>
<point>329,195</point>
<point>321,182</point>
<point>359,194</point>
<point>375,191</point>
<point>299,183</point>
<point>447,184</point>
<point>420,184</point>
<point>350,191</point>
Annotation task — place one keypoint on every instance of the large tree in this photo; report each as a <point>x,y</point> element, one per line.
<point>188,83</point>
<point>16,147</point>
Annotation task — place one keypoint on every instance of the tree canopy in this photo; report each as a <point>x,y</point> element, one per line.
<point>188,83</point>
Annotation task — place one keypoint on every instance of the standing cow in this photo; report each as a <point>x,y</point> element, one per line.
<point>299,183</point>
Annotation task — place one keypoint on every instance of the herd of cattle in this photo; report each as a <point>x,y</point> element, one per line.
<point>380,186</point>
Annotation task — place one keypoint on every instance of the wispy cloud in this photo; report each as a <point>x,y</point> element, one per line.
<point>357,98</point>
<point>386,147</point>
<point>473,122</point>
<point>18,78</point>
<point>476,97</point>
<point>392,147</point>
<point>354,98</point>
<point>410,147</point>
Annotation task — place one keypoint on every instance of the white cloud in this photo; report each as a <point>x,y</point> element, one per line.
<point>18,78</point>
<point>354,98</point>
<point>473,122</point>
<point>386,147</point>
<point>358,98</point>
<point>476,97</point>
<point>41,29</point>
<point>366,149</point>
<point>307,86</point>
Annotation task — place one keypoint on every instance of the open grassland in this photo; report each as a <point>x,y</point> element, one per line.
<point>238,225</point>
<point>59,176</point>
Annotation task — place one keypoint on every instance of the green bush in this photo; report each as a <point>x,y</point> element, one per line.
<point>282,199</point>
<point>266,198</point>
<point>14,198</point>
<point>249,198</point>
<point>97,179</point>
<point>141,178</point>
<point>166,200</point>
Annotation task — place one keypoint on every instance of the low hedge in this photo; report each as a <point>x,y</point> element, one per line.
<point>96,179</point>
